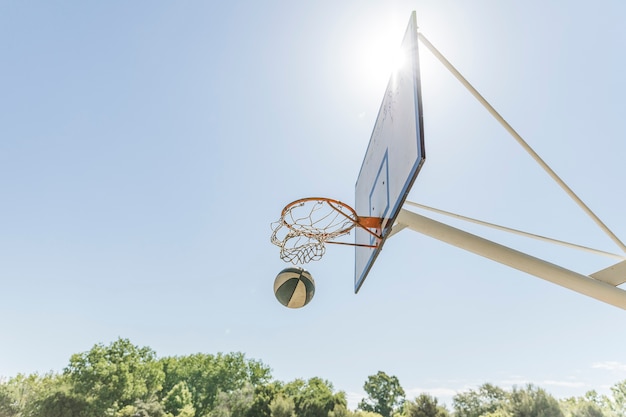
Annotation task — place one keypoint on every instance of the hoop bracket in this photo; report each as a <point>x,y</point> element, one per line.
<point>370,222</point>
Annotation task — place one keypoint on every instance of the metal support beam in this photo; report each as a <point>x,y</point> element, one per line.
<point>521,141</point>
<point>515,259</point>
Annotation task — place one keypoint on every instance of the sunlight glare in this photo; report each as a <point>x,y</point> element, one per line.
<point>398,60</point>
<point>380,64</point>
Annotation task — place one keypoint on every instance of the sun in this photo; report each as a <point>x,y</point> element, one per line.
<point>376,57</point>
<point>379,62</point>
<point>389,60</point>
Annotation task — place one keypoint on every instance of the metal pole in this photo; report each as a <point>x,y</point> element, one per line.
<point>520,140</point>
<point>515,259</point>
<point>515,231</point>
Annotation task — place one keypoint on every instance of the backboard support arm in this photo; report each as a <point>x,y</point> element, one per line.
<point>566,278</point>
<point>520,140</point>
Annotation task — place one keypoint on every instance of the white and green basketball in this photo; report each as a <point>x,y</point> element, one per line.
<point>294,287</point>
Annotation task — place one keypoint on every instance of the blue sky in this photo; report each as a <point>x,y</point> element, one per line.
<point>145,148</point>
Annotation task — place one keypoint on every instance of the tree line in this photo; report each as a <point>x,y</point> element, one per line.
<point>124,380</point>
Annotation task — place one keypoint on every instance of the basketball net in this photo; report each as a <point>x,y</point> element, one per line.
<point>306,225</point>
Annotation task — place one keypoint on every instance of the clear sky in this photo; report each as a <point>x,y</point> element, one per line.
<point>146,146</point>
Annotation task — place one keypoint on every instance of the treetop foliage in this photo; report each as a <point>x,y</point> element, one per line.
<point>385,394</point>
<point>124,380</point>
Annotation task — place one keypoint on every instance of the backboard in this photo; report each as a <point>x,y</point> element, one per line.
<point>394,155</point>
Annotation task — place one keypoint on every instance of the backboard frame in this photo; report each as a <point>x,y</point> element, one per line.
<point>394,156</point>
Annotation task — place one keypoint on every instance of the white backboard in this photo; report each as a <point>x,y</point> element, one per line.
<point>394,155</point>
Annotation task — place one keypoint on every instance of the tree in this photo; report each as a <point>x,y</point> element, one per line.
<point>340,411</point>
<point>531,401</point>
<point>28,395</point>
<point>235,403</point>
<point>313,398</point>
<point>587,410</point>
<point>361,413</point>
<point>618,404</point>
<point>500,412</point>
<point>487,399</point>
<point>178,401</point>
<point>8,403</point>
<point>141,408</point>
<point>282,406</point>
<point>424,406</point>
<point>207,375</point>
<point>591,405</point>
<point>61,404</point>
<point>293,388</point>
<point>262,399</point>
<point>385,394</point>
<point>114,376</point>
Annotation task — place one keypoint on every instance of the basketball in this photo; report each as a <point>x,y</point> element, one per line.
<point>294,287</point>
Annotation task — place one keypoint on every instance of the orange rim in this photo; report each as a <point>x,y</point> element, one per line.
<point>366,223</point>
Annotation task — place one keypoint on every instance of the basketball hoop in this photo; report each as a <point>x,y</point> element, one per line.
<point>306,225</point>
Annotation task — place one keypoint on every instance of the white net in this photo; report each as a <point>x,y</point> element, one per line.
<point>307,224</point>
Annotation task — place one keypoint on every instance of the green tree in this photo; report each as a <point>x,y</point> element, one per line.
<point>314,398</point>
<point>292,389</point>
<point>28,394</point>
<point>487,399</point>
<point>61,404</point>
<point>500,412</point>
<point>206,375</point>
<point>178,400</point>
<point>282,406</point>
<point>385,394</point>
<point>587,410</point>
<point>235,403</point>
<point>262,399</point>
<point>424,406</point>
<point>8,403</point>
<point>361,413</point>
<point>141,408</point>
<point>591,405</point>
<point>112,377</point>
<point>617,405</point>
<point>531,401</point>
<point>340,411</point>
